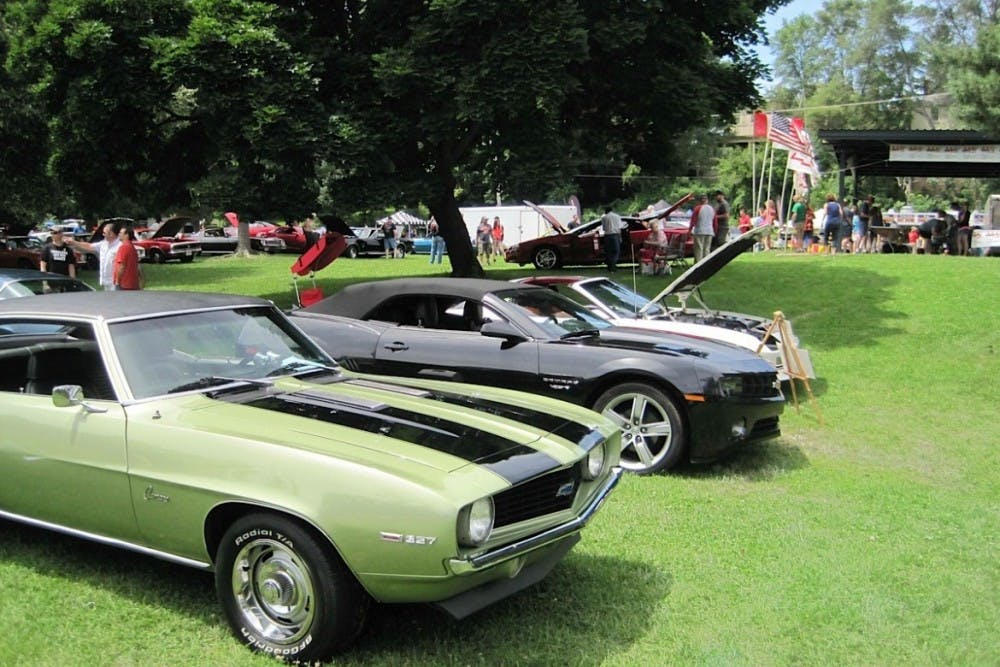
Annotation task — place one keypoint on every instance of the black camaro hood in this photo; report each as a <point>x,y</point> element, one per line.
<point>711,264</point>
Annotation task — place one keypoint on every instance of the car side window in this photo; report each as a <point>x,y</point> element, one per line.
<point>36,357</point>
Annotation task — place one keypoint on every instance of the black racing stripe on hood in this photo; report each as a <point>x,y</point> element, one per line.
<point>585,436</point>
<point>512,461</point>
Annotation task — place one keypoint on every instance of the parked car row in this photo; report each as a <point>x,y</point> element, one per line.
<point>435,440</point>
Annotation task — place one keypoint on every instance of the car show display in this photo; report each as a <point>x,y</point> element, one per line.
<point>675,397</point>
<point>209,431</point>
<point>622,306</point>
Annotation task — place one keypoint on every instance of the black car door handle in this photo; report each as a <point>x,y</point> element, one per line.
<point>397,347</point>
<point>437,373</point>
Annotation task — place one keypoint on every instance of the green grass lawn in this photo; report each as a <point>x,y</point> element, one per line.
<point>871,539</point>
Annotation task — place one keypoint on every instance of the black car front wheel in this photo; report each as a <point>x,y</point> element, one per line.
<point>546,258</point>
<point>285,592</point>
<point>352,251</point>
<point>652,429</point>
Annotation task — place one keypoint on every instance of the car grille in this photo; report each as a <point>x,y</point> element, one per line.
<point>760,385</point>
<point>543,495</point>
<point>765,428</point>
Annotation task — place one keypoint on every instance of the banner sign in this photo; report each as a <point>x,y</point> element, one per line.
<point>945,153</point>
<point>986,238</point>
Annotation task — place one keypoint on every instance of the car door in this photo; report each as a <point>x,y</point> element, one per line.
<point>441,350</point>
<point>61,465</point>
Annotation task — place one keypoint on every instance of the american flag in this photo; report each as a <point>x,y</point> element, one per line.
<point>782,133</point>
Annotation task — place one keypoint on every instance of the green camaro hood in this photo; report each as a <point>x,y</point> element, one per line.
<point>364,419</point>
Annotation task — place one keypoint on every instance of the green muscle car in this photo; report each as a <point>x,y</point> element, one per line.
<point>208,430</point>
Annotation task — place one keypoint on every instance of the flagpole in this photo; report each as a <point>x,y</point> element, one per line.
<point>753,177</point>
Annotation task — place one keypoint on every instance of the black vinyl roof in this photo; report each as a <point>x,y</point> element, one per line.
<point>867,152</point>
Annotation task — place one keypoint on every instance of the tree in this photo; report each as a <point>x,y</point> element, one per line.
<point>260,105</point>
<point>24,189</point>
<point>434,101</point>
<point>976,83</point>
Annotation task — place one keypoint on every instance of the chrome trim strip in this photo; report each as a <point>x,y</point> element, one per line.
<point>109,541</point>
<point>479,561</point>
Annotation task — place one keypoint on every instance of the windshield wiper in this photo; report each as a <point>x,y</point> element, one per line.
<point>297,368</point>
<point>582,333</point>
<point>210,381</point>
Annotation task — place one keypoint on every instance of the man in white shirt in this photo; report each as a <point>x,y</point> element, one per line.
<point>106,250</point>
<point>611,226</point>
<point>703,227</point>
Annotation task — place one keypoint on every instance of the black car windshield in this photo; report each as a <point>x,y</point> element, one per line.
<point>209,348</point>
<point>620,299</point>
<point>554,313</point>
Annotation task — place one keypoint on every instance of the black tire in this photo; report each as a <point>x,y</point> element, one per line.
<point>653,437</point>
<point>285,592</point>
<point>187,258</point>
<point>352,251</point>
<point>156,256</point>
<point>546,257</point>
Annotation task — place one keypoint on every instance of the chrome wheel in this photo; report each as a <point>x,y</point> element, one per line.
<point>546,258</point>
<point>652,431</point>
<point>273,590</point>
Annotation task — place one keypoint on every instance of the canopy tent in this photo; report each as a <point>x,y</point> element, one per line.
<point>954,153</point>
<point>403,218</point>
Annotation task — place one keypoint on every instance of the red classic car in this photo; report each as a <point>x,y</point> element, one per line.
<point>583,244</point>
<point>20,252</point>
<point>164,243</point>
<point>294,237</point>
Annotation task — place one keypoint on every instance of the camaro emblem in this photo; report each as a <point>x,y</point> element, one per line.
<point>565,490</point>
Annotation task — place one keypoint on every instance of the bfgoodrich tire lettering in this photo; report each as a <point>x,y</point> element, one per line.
<point>652,429</point>
<point>285,592</point>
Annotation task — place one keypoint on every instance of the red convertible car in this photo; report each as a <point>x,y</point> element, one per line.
<point>583,244</point>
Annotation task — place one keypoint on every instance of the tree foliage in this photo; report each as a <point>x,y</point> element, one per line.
<point>269,107</point>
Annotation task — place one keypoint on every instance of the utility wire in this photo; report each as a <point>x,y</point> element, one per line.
<point>887,100</point>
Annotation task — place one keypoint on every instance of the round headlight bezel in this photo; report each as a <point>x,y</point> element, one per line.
<point>593,465</point>
<point>475,523</point>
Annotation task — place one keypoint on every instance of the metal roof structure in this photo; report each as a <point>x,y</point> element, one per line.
<point>961,153</point>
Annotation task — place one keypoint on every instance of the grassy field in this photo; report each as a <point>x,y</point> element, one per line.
<point>871,539</point>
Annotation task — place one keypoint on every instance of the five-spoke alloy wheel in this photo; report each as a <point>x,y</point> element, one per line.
<point>652,429</point>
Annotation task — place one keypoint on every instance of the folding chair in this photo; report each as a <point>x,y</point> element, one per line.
<point>673,255</point>
<point>309,295</point>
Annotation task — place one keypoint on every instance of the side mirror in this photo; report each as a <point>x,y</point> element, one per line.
<point>504,330</point>
<point>68,395</point>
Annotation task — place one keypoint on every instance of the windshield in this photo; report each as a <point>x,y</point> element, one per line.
<point>204,349</point>
<point>623,301</point>
<point>41,286</point>
<point>553,312</point>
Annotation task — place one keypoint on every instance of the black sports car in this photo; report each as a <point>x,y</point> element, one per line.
<point>675,397</point>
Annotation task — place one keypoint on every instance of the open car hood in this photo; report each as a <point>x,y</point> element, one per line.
<point>326,249</point>
<point>549,218</point>
<point>171,227</point>
<point>711,264</point>
<point>335,223</point>
<point>662,210</point>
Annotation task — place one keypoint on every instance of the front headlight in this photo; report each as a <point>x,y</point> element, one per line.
<point>595,462</point>
<point>475,523</point>
<point>731,385</point>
